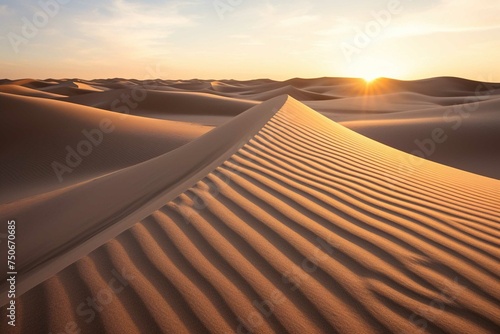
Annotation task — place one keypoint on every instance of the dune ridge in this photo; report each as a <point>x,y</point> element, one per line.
<point>99,208</point>
<point>302,226</point>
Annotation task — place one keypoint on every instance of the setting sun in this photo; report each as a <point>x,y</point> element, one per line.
<point>370,78</point>
<point>371,68</point>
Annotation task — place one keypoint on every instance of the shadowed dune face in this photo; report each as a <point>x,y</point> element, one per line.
<point>50,144</point>
<point>303,226</point>
<point>193,207</point>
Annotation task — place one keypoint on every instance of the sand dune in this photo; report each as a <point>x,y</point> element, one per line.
<point>294,92</point>
<point>69,88</point>
<point>280,220</point>
<point>109,203</point>
<point>32,83</point>
<point>25,91</point>
<point>49,132</point>
<point>394,112</point>
<point>192,107</point>
<point>468,134</point>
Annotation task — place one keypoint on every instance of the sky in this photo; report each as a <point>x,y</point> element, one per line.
<point>249,39</point>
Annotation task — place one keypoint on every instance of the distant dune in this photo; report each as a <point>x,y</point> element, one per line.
<point>333,206</point>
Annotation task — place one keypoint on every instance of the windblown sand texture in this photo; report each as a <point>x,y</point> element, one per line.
<point>254,207</point>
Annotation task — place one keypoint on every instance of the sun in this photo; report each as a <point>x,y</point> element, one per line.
<point>370,68</point>
<point>370,78</point>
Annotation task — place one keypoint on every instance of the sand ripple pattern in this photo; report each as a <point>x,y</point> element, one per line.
<point>309,228</point>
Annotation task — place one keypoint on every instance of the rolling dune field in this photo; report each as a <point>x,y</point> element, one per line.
<point>325,205</point>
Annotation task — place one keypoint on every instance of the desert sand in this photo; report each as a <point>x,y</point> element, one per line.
<point>326,205</point>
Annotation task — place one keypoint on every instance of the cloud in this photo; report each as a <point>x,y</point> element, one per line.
<point>133,27</point>
<point>448,16</point>
<point>5,10</point>
<point>297,20</point>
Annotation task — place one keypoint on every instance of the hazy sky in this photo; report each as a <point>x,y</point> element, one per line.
<point>244,39</point>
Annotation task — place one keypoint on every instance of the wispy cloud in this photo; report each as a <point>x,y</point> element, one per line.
<point>134,27</point>
<point>447,16</point>
<point>5,10</point>
<point>242,39</point>
<point>297,20</point>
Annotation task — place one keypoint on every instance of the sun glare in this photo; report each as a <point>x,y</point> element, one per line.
<point>370,79</point>
<point>370,69</point>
